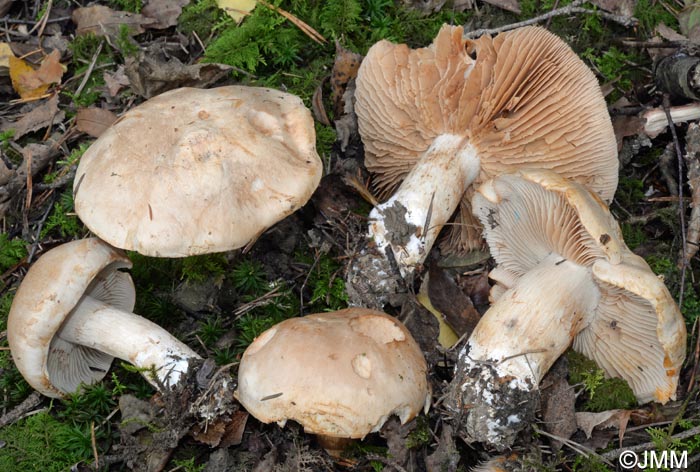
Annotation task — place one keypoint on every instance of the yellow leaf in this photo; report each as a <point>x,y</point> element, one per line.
<point>30,83</point>
<point>5,55</point>
<point>447,337</point>
<point>237,9</point>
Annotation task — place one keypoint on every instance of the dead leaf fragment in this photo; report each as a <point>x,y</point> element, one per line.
<point>448,299</point>
<point>150,75</point>
<point>164,13</point>
<point>237,9</point>
<point>618,7</point>
<point>344,69</point>
<point>44,114</point>
<point>5,55</point>
<point>94,121</point>
<point>508,5</point>
<point>587,421</point>
<point>103,21</point>
<point>115,81</point>
<point>33,83</point>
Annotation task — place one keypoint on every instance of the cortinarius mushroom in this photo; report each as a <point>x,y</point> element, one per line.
<point>72,315</point>
<point>195,171</point>
<point>564,276</point>
<point>339,374</point>
<point>461,111</point>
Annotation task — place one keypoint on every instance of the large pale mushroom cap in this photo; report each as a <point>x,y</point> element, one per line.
<point>522,99</point>
<point>339,374</point>
<point>50,290</point>
<point>636,331</point>
<point>195,171</point>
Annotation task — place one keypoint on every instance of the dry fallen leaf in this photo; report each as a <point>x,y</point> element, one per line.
<point>33,83</point>
<point>5,55</point>
<point>163,12</point>
<point>94,121</point>
<point>42,115</point>
<point>605,419</point>
<point>447,336</point>
<point>237,9</point>
<point>115,81</point>
<point>103,21</point>
<point>344,69</point>
<point>618,7</point>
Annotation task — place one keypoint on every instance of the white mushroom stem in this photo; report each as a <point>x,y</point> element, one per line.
<point>534,322</point>
<point>411,219</point>
<point>129,337</point>
<point>656,121</point>
<point>515,343</point>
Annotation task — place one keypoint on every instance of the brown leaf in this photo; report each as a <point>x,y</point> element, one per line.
<point>605,419</point>
<point>317,105</point>
<point>344,69</point>
<point>150,76</point>
<point>5,6</point>
<point>115,81</point>
<point>164,13</point>
<point>223,431</point>
<point>103,21</point>
<point>558,403</point>
<point>626,125</point>
<point>449,300</point>
<point>33,83</point>
<point>94,121</point>
<point>44,114</point>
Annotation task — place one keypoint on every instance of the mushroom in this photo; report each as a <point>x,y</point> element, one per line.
<point>564,276</point>
<point>339,374</point>
<point>461,111</point>
<point>195,171</point>
<point>72,315</point>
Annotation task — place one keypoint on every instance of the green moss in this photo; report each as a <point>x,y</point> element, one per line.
<point>62,220</point>
<point>633,235</point>
<point>651,13</point>
<point>41,443</point>
<point>421,434</point>
<point>249,278</point>
<point>133,6</point>
<point>199,17</point>
<point>602,394</point>
<point>203,267</point>
<point>325,282</point>
<point>11,251</point>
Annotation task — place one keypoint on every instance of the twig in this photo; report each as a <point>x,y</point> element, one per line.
<point>39,227</point>
<point>681,208</point>
<point>93,442</point>
<point>576,447</point>
<point>614,454</point>
<point>89,70</point>
<point>29,403</point>
<point>306,29</point>
<point>570,9</point>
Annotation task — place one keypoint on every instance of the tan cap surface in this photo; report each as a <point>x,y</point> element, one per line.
<point>636,331</point>
<point>522,98</point>
<point>50,290</point>
<point>195,171</point>
<point>339,374</point>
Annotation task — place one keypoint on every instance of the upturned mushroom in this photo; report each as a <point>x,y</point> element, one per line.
<point>72,315</point>
<point>441,119</point>
<point>340,374</point>
<point>564,276</point>
<point>196,171</point>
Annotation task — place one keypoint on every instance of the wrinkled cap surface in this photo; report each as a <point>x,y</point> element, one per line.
<point>637,332</point>
<point>523,99</point>
<point>196,171</point>
<point>52,287</point>
<point>339,374</point>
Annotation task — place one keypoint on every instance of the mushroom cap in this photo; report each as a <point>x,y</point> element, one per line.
<point>195,171</point>
<point>523,99</point>
<point>52,287</point>
<point>339,374</point>
<point>637,331</point>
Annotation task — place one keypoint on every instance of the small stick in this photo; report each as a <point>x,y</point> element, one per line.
<point>681,207</point>
<point>93,441</point>
<point>572,8</point>
<point>89,70</point>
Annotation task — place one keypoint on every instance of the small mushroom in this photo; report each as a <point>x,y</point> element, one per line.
<point>443,118</point>
<point>339,374</point>
<point>564,277</point>
<point>72,315</point>
<point>195,171</point>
